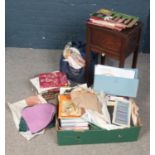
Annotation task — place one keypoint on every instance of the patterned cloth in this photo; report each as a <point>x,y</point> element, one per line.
<point>54,79</point>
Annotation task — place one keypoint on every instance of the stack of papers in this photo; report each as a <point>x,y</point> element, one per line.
<point>113,20</point>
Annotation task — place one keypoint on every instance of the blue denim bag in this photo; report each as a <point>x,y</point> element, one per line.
<point>77,75</point>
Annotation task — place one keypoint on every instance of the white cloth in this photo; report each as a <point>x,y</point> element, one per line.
<point>99,120</point>
<point>105,112</point>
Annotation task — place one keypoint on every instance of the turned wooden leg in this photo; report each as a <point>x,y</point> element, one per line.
<point>135,54</point>
<point>87,79</point>
<point>96,58</point>
<point>121,62</point>
<point>102,60</point>
<point>135,57</point>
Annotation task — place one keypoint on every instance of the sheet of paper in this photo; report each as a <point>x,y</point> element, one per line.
<point>99,120</point>
<point>113,71</point>
<point>69,89</point>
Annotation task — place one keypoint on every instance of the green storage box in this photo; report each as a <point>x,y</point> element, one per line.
<point>97,135</point>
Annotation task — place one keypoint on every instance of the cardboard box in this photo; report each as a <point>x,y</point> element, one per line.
<point>116,85</point>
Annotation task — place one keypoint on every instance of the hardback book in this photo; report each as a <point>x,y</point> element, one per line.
<point>74,124</point>
<point>70,120</point>
<point>67,109</point>
<point>75,128</point>
<point>53,79</point>
<point>46,82</point>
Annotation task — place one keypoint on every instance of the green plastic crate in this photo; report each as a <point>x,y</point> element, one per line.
<point>97,135</point>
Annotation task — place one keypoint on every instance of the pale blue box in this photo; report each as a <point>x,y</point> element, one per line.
<point>117,85</point>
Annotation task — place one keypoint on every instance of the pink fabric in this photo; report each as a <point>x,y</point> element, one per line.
<point>39,116</point>
<point>32,100</point>
<point>54,79</point>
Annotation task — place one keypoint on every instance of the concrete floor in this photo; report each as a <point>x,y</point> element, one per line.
<point>22,64</point>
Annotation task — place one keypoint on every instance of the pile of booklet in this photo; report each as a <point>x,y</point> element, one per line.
<point>113,20</point>
<point>70,114</point>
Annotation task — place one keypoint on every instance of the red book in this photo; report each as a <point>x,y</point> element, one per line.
<point>53,79</point>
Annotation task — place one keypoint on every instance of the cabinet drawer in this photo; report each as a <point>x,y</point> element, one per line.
<point>105,40</point>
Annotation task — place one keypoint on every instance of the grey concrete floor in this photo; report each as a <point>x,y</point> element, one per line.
<point>22,64</point>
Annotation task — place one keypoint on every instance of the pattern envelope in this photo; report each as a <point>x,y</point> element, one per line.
<point>39,116</point>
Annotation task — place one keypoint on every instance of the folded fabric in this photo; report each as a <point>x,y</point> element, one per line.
<point>39,116</point>
<point>23,126</point>
<point>52,123</point>
<point>16,109</point>
<point>54,79</point>
<point>32,100</point>
<point>135,113</point>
